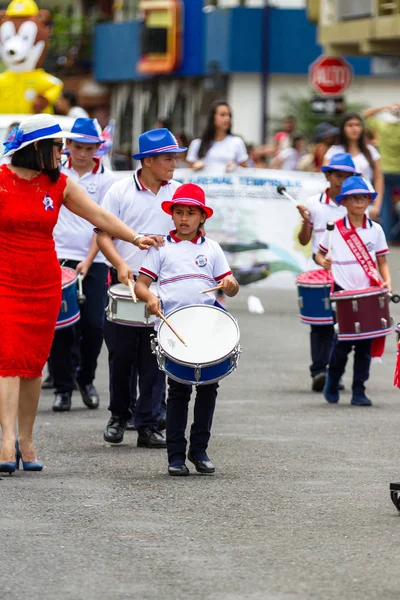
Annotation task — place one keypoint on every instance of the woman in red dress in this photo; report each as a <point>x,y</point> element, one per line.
<point>32,190</point>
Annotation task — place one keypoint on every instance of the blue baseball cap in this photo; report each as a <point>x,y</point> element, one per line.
<point>157,141</point>
<point>353,186</point>
<point>89,129</point>
<point>341,162</point>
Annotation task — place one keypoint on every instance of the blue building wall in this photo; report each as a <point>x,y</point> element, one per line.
<point>231,40</point>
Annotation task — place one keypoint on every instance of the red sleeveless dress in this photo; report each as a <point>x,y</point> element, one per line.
<point>30,275</point>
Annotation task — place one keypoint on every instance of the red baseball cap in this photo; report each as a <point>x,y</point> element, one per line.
<point>188,194</point>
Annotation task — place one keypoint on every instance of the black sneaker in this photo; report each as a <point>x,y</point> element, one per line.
<point>90,397</point>
<point>62,402</point>
<point>148,438</point>
<point>114,431</point>
<point>318,382</point>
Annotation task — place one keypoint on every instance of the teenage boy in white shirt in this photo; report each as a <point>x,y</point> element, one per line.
<point>138,200</point>
<point>76,247</point>
<point>319,210</point>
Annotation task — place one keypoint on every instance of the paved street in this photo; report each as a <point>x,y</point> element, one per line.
<point>299,507</point>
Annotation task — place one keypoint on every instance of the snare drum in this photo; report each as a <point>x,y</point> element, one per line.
<point>69,311</point>
<point>212,346</point>
<point>362,314</point>
<point>122,310</point>
<point>313,288</point>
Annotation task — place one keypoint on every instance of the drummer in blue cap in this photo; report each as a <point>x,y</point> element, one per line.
<point>318,211</point>
<point>76,247</point>
<point>355,251</point>
<point>138,200</point>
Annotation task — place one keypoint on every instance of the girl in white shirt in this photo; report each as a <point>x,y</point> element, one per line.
<point>218,148</point>
<point>365,156</point>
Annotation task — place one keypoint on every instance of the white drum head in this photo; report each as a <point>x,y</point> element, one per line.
<point>210,334</point>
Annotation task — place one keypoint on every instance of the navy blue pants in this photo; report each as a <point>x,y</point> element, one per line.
<point>129,355</point>
<point>321,339</point>
<point>177,416</point>
<point>362,362</point>
<point>83,339</point>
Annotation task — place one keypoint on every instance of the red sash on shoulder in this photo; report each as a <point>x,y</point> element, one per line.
<point>360,251</point>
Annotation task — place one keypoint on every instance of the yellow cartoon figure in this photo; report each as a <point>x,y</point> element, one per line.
<point>24,87</point>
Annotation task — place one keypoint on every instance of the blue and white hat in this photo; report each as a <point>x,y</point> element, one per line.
<point>353,186</point>
<point>157,141</point>
<point>341,162</point>
<point>32,129</point>
<point>89,129</point>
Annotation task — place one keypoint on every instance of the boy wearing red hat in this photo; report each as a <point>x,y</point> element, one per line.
<point>186,266</point>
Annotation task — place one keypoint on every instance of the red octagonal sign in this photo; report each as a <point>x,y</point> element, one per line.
<point>330,75</point>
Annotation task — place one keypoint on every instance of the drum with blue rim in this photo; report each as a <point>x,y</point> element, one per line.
<point>313,288</point>
<point>211,350</point>
<point>69,310</point>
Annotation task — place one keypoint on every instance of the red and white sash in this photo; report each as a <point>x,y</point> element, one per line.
<point>360,252</point>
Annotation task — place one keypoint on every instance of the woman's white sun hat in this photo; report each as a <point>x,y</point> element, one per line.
<point>35,128</point>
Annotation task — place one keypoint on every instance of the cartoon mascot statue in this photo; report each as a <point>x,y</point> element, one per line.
<point>24,87</point>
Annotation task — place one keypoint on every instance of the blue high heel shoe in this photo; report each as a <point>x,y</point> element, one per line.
<point>8,467</point>
<point>27,466</point>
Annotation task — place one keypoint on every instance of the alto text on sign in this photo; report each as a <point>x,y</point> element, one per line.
<point>330,75</point>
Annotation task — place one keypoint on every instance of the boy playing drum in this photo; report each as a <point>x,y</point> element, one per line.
<point>320,209</point>
<point>187,265</point>
<point>358,248</point>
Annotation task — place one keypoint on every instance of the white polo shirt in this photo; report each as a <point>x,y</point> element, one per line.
<point>185,268</point>
<point>72,234</point>
<point>230,149</point>
<point>322,209</point>
<point>141,210</point>
<point>346,270</point>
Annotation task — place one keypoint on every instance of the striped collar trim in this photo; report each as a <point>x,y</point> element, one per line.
<point>171,237</point>
<point>367,223</point>
<point>139,185</point>
<point>98,167</point>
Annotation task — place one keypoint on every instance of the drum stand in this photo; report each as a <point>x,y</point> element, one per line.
<point>395,494</point>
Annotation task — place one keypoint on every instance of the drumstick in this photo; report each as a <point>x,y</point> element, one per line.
<point>159,313</point>
<point>213,289</point>
<point>330,226</point>
<point>132,291</point>
<point>282,191</point>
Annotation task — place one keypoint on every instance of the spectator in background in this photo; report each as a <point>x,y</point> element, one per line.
<point>67,105</point>
<point>284,139</point>
<point>365,156</point>
<point>325,137</point>
<point>218,148</point>
<point>290,158</point>
<point>385,121</point>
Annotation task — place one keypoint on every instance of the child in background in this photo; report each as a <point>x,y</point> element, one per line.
<point>320,209</point>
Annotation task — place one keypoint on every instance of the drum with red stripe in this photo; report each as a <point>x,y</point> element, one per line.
<point>69,310</point>
<point>362,314</point>
<point>313,288</point>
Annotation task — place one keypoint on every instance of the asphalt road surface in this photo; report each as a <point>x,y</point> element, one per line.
<point>299,507</point>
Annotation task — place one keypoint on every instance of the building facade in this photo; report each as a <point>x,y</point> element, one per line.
<point>247,52</point>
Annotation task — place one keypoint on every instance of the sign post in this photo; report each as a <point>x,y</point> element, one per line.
<point>330,75</point>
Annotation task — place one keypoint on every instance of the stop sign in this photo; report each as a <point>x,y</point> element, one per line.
<point>330,75</point>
